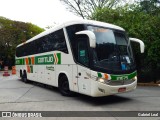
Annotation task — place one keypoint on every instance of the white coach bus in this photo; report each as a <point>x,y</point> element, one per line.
<point>83,56</point>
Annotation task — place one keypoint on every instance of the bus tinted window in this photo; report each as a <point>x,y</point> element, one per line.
<point>51,42</point>
<point>55,44</point>
<point>71,30</point>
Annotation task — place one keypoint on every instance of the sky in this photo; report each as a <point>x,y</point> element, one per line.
<point>39,12</point>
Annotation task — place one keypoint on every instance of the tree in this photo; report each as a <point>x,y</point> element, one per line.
<point>150,6</point>
<point>85,8</point>
<point>13,33</point>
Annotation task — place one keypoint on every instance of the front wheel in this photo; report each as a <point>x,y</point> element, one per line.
<point>64,86</point>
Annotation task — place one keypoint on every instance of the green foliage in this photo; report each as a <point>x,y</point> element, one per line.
<point>139,24</point>
<point>150,6</point>
<point>13,33</point>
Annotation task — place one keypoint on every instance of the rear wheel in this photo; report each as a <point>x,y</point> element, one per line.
<point>20,74</point>
<point>24,77</point>
<point>64,86</point>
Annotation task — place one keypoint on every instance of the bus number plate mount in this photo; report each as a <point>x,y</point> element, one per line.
<point>123,89</point>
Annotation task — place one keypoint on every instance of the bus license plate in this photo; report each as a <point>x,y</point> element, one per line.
<point>122,89</point>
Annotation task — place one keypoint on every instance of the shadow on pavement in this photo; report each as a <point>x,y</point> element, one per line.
<point>112,99</point>
<point>96,101</point>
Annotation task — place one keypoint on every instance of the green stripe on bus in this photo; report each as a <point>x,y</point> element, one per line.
<point>41,60</point>
<point>59,58</point>
<point>44,59</point>
<point>99,75</point>
<point>31,68</point>
<point>19,61</point>
<point>120,77</point>
<point>123,77</point>
<point>29,59</point>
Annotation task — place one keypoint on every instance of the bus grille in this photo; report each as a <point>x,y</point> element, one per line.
<point>121,82</point>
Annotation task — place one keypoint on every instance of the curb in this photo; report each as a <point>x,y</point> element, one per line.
<point>11,77</point>
<point>148,84</point>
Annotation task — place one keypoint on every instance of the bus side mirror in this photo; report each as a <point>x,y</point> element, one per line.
<point>140,42</point>
<point>91,35</point>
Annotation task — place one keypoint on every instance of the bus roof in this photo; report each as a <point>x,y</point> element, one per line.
<point>80,21</point>
<point>93,22</point>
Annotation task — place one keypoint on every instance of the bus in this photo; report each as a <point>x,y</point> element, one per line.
<point>81,56</point>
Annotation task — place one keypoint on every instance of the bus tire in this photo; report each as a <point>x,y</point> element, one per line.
<point>20,74</point>
<point>64,86</point>
<point>24,77</point>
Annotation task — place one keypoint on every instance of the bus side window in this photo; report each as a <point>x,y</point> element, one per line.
<point>57,41</point>
<point>39,45</point>
<point>71,30</point>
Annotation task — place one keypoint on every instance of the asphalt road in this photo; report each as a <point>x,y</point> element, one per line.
<point>18,96</point>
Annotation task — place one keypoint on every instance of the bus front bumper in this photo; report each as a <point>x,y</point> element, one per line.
<point>100,89</point>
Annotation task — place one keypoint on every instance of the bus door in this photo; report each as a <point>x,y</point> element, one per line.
<point>75,78</point>
<point>84,82</point>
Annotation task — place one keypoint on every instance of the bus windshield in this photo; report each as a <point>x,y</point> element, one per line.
<point>113,51</point>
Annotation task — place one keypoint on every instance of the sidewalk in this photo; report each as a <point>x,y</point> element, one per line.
<point>149,84</point>
<point>11,77</point>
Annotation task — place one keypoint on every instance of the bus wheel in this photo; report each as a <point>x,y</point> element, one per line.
<point>21,74</point>
<point>24,77</point>
<point>64,86</point>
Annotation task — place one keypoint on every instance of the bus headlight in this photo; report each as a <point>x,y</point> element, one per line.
<point>135,78</point>
<point>102,80</point>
